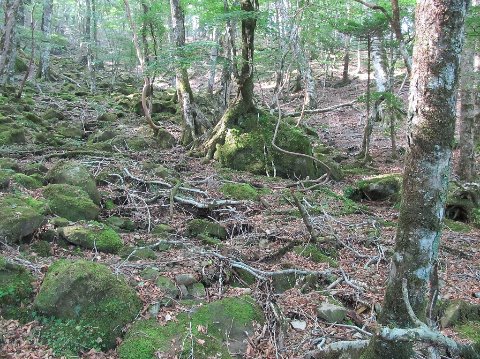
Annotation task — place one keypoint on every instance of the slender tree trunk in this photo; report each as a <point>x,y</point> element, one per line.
<point>184,91</point>
<point>346,61</point>
<point>213,62</point>
<point>466,118</point>
<point>44,66</point>
<point>7,40</point>
<point>439,36</point>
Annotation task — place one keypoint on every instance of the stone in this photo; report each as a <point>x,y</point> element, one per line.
<point>92,235</point>
<point>150,273</point>
<point>214,324</point>
<point>185,279</point>
<point>458,312</point>
<point>299,325</point>
<point>197,290</point>
<point>125,224</point>
<point>167,286</point>
<point>201,226</point>
<point>331,313</point>
<point>377,188</point>
<point>90,294</point>
<point>137,254</point>
<point>70,202</point>
<point>20,217</point>
<point>59,222</point>
<point>75,174</point>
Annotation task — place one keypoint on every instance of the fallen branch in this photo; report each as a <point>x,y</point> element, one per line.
<point>322,110</point>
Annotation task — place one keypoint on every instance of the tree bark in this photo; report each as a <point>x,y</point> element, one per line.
<point>44,66</point>
<point>346,61</point>
<point>213,62</point>
<point>439,37</point>
<point>7,40</point>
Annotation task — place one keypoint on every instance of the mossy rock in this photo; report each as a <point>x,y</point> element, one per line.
<point>12,136</point>
<point>52,114</point>
<point>42,248</point>
<point>28,182</point>
<point>9,164</point>
<point>138,254</point>
<point>167,286</point>
<point>315,254</point>
<point>162,230</point>
<point>201,226</point>
<point>35,169</point>
<point>240,191</point>
<point>456,226</point>
<point>463,203</point>
<point>102,136</point>
<point>59,222</point>
<point>15,289</point>
<point>20,217</point>
<point>121,223</point>
<point>164,140</point>
<point>89,293</point>
<point>107,117</point>
<point>471,330</point>
<point>225,320</point>
<point>458,312</point>
<point>5,178</point>
<point>70,130</point>
<point>70,202</point>
<point>92,235</point>
<point>74,174</point>
<point>378,188</point>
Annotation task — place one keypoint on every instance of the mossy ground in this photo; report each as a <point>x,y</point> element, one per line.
<point>15,289</point>
<point>315,254</point>
<point>240,191</point>
<point>70,202</point>
<point>232,315</point>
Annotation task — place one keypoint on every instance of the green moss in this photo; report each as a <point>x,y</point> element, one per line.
<point>209,241</point>
<point>28,182</point>
<point>470,330</point>
<point>93,235</point>
<point>247,146</point>
<point>240,191</point>
<point>201,226</point>
<point>91,294</point>
<point>70,202</point>
<point>378,188</point>
<point>5,177</point>
<point>10,136</point>
<point>136,254</point>
<point>227,316</point>
<point>9,164</point>
<point>42,248</point>
<point>313,253</point>
<point>15,288</point>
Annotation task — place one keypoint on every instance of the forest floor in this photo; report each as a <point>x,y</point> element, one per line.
<point>260,231</point>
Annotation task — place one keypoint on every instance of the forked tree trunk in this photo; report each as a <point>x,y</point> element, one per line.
<point>7,40</point>
<point>466,118</point>
<point>439,36</point>
<point>44,66</point>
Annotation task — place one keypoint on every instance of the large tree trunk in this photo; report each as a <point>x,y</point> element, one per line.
<point>44,66</point>
<point>439,37</point>
<point>244,101</point>
<point>466,119</point>
<point>7,40</point>
<point>346,61</point>
<point>213,62</point>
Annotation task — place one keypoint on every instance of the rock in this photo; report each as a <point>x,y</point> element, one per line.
<point>92,235</point>
<point>168,286</point>
<point>162,230</point>
<point>107,117</point>
<point>458,312</point>
<point>11,136</point>
<point>240,191</point>
<point>60,222</point>
<point>35,168</point>
<point>284,282</point>
<point>201,226</point>
<point>9,164</point>
<point>90,294</point>
<point>150,273</point>
<point>74,174</point>
<point>28,182</point>
<point>15,289</point>
<point>70,130</point>
<point>70,202</point>
<point>378,188</point>
<point>213,325</point>
<point>41,248</point>
<point>121,223</point>
<point>185,279</point>
<point>20,217</point>
<point>299,325</point>
<point>137,254</point>
<point>197,290</point>
<point>102,136</point>
<point>164,140</point>
<point>52,114</point>
<point>5,178</point>
<point>331,313</point>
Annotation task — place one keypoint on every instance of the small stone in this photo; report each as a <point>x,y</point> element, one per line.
<point>185,279</point>
<point>197,290</point>
<point>299,325</point>
<point>476,295</point>
<point>168,286</point>
<point>150,273</point>
<point>154,309</point>
<point>331,313</point>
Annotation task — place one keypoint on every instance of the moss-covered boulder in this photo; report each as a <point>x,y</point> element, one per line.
<point>212,325</point>
<point>463,203</point>
<point>9,164</point>
<point>92,235</point>
<point>10,135</point>
<point>74,174</point>
<point>29,182</point>
<point>90,294</point>
<point>247,146</point>
<point>240,191</point>
<point>201,226</point>
<point>70,202</point>
<point>20,217</point>
<point>15,289</point>
<point>5,178</point>
<point>457,312</point>
<point>378,188</point>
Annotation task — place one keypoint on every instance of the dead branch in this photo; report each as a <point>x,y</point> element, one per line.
<point>305,217</point>
<point>321,110</point>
